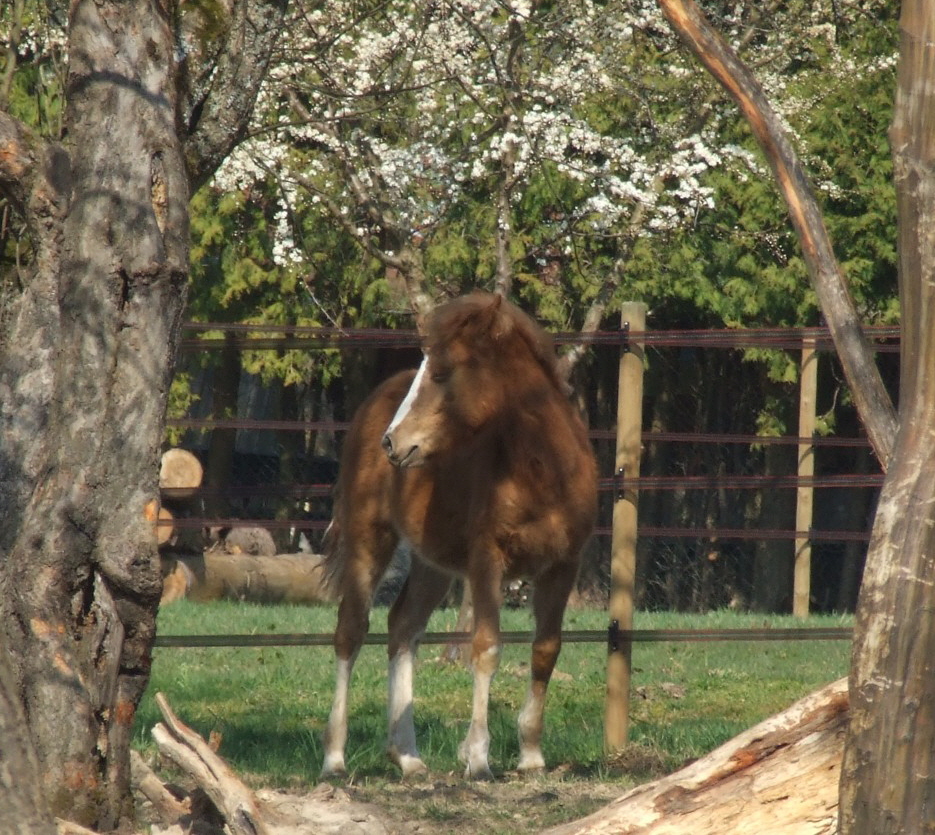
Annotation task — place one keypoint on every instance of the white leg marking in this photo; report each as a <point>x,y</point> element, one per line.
<point>476,745</point>
<point>336,732</point>
<point>402,732</point>
<point>530,730</point>
<point>410,397</point>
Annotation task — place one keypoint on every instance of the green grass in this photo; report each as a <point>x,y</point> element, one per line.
<point>271,704</point>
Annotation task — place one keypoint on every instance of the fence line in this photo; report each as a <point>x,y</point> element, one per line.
<point>303,336</point>
<point>580,636</point>
<point>207,424</point>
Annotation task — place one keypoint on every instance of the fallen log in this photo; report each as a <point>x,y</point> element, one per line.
<point>778,778</point>
<point>161,519</point>
<point>284,578</point>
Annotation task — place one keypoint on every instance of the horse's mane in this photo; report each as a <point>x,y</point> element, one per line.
<point>490,315</point>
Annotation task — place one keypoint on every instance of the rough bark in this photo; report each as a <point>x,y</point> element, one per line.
<point>888,780</point>
<point>778,777</point>
<point>834,297</point>
<point>86,348</point>
<point>22,807</point>
<point>82,408</point>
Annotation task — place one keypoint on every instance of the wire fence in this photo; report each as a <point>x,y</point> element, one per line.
<point>715,488</point>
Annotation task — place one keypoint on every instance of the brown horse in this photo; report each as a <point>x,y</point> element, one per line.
<point>480,462</point>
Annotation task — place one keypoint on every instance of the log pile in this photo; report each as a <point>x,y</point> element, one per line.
<point>234,563</point>
<point>215,575</point>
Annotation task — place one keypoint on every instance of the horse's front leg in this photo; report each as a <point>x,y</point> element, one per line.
<point>353,620</point>
<point>549,599</point>
<point>423,591</point>
<point>485,659</point>
<point>360,576</point>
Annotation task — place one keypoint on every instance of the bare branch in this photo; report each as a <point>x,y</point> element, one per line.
<point>873,402</point>
<point>219,121</point>
<point>16,29</point>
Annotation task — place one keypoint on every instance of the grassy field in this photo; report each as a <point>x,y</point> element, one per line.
<point>270,705</point>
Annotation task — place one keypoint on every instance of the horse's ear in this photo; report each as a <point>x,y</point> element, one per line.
<point>491,320</point>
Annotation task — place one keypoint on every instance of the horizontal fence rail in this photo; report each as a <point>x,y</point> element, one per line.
<point>284,337</point>
<point>580,636</point>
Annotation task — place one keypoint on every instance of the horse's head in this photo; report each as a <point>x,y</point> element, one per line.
<point>478,351</point>
<point>458,387</point>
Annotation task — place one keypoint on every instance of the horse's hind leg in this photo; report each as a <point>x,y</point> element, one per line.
<point>549,599</point>
<point>363,571</point>
<point>424,589</point>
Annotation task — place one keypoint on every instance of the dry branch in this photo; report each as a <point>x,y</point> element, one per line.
<point>837,305</point>
<point>146,782</point>
<point>192,754</point>
<point>781,776</point>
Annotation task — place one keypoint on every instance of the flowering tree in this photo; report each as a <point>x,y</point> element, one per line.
<point>478,143</point>
<point>556,153</point>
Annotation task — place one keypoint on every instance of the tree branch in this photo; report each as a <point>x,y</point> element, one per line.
<point>35,177</point>
<point>873,402</point>
<point>20,151</point>
<point>218,122</point>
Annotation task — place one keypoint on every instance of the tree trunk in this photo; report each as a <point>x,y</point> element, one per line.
<point>778,777</point>
<point>22,808</point>
<point>888,780</point>
<point>83,410</point>
<point>86,347</point>
<point>219,467</point>
<point>772,566</point>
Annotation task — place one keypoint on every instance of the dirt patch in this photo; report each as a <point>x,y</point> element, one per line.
<point>513,803</point>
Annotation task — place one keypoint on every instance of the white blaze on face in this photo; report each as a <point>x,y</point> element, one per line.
<point>409,399</point>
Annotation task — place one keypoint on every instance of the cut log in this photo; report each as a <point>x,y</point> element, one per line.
<point>781,776</point>
<point>256,541</point>
<point>180,472</point>
<point>284,578</point>
<point>177,579</point>
<point>161,518</point>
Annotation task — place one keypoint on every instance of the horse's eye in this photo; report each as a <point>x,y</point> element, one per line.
<point>441,376</point>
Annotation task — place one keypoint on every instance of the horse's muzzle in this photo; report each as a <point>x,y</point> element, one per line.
<point>408,458</point>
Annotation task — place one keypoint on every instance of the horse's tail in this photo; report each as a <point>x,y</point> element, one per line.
<point>333,547</point>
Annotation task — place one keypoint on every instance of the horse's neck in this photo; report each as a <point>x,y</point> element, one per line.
<point>536,417</point>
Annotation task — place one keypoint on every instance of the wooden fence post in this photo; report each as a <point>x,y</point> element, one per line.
<point>805,493</point>
<point>623,548</point>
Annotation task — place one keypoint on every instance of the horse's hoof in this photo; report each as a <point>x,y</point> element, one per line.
<point>412,767</point>
<point>481,773</point>
<point>333,770</point>
<point>531,763</point>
